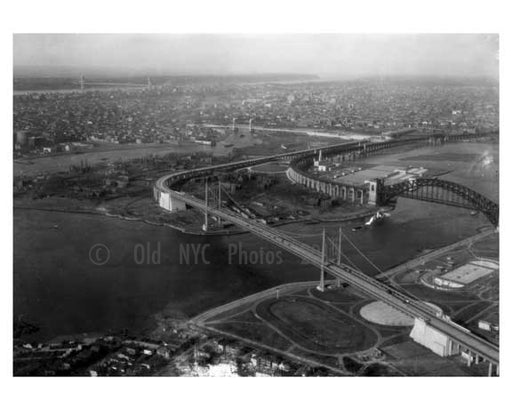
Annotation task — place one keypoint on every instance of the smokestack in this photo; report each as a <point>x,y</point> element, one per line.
<point>250,125</point>
<point>234,124</point>
<point>82,82</point>
<point>319,156</point>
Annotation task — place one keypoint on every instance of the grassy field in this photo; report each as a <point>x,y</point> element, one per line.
<point>416,360</point>
<point>316,326</point>
<point>465,315</point>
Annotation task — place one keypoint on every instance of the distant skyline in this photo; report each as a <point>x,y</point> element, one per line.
<point>326,55</point>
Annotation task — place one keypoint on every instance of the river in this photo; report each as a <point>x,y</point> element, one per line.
<point>59,288</point>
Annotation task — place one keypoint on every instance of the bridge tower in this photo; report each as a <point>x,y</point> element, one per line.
<point>321,285</point>
<point>213,199</point>
<point>338,259</point>
<point>205,225</point>
<point>219,202</point>
<point>330,251</point>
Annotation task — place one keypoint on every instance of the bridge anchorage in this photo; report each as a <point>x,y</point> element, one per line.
<point>437,191</point>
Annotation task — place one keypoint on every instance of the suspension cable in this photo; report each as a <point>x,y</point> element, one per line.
<point>350,262</point>
<point>361,253</point>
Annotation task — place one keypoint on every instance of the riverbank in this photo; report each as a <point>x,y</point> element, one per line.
<point>436,253</point>
<point>92,209</point>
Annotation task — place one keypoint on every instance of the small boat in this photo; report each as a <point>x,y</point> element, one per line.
<point>377,218</point>
<point>474,213</point>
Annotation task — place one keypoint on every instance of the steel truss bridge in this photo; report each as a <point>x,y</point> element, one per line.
<point>441,192</point>
<point>168,186</point>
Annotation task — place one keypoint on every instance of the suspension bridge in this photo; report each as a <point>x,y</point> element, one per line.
<point>431,329</point>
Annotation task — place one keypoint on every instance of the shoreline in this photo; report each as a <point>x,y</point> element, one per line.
<point>315,220</point>
<point>412,263</point>
<point>200,318</point>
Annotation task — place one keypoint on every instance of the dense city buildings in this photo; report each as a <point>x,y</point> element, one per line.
<point>53,121</point>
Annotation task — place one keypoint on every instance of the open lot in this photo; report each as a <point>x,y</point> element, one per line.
<point>317,326</point>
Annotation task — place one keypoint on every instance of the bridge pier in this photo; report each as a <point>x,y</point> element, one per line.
<point>490,371</point>
<point>469,359</point>
<point>360,194</point>
<point>351,194</point>
<point>453,348</point>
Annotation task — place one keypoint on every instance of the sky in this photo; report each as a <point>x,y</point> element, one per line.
<point>326,55</point>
